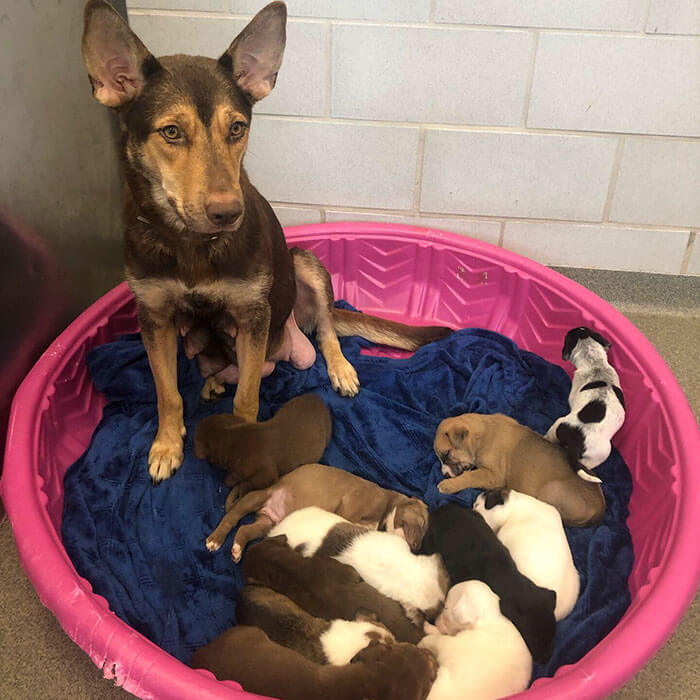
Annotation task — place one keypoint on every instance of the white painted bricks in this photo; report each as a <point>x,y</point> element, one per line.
<point>516,175</point>
<point>458,76</point>
<point>566,130</point>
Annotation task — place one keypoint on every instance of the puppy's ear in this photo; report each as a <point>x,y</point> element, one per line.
<point>465,613</point>
<point>255,56</point>
<point>412,518</point>
<point>456,434</point>
<point>280,539</point>
<point>495,497</point>
<point>365,615</point>
<point>117,62</point>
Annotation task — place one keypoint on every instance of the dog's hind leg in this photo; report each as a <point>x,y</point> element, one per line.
<point>314,312</point>
<point>249,503</point>
<point>262,525</point>
<point>165,456</point>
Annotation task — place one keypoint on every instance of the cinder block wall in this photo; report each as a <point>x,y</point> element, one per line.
<point>567,131</point>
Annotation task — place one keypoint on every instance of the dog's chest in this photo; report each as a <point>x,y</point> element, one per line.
<point>218,303</point>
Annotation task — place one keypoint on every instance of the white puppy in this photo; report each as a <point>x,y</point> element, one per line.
<point>480,653</point>
<point>382,559</point>
<point>533,533</point>
<point>596,402</point>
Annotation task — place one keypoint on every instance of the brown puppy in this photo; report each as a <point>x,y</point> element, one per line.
<point>491,451</point>
<point>322,641</point>
<point>380,671</point>
<point>324,587</point>
<point>257,454</point>
<point>334,490</point>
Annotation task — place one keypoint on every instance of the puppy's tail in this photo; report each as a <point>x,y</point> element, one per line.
<point>571,439</point>
<point>379,330</point>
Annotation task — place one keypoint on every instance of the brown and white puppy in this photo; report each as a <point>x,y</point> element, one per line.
<point>492,451</point>
<point>380,671</point>
<point>257,454</point>
<point>335,490</point>
<point>417,581</point>
<point>324,587</point>
<point>322,641</point>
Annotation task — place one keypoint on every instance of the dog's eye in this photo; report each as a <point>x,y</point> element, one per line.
<point>237,129</point>
<point>171,132</point>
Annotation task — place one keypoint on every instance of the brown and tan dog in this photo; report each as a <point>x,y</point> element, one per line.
<point>492,451</point>
<point>256,455</point>
<point>324,587</point>
<point>379,672</point>
<point>205,253</point>
<point>322,641</point>
<point>335,490</point>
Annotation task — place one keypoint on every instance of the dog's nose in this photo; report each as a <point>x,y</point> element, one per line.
<point>223,209</point>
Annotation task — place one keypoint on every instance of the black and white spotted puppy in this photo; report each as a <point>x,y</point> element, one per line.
<point>596,401</point>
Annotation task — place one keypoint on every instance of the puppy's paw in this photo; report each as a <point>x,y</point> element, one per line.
<point>449,486</point>
<point>213,543</point>
<point>344,378</point>
<point>236,552</point>
<point>165,457</point>
<point>212,390</point>
<point>429,628</point>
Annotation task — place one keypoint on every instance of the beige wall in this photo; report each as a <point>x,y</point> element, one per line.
<point>565,131</point>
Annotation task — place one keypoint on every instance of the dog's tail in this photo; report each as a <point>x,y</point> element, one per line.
<point>379,330</point>
<point>571,439</point>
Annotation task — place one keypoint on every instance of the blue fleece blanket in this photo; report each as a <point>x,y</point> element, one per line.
<point>142,547</point>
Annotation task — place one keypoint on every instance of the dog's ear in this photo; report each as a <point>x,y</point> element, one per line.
<point>465,612</point>
<point>255,56</point>
<point>117,62</point>
<point>456,435</point>
<point>495,497</point>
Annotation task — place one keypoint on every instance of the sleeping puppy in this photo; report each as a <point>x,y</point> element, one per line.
<point>283,621</point>
<point>470,550</point>
<point>387,672</point>
<point>257,454</point>
<point>382,559</point>
<point>493,451</point>
<point>532,532</point>
<point>334,490</point>
<point>324,587</point>
<point>480,653</point>
<point>596,401</point>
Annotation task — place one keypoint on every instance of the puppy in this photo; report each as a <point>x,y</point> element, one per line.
<point>493,451</point>
<point>283,621</point>
<point>470,550</point>
<point>247,655</point>
<point>382,559</point>
<point>324,587</point>
<point>480,653</point>
<point>533,533</point>
<point>596,401</point>
<point>334,490</point>
<point>256,455</point>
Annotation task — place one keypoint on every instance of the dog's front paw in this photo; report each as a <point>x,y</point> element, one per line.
<point>448,486</point>
<point>165,457</point>
<point>344,378</point>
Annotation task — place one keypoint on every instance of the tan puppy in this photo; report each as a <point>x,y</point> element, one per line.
<point>492,451</point>
<point>335,490</point>
<point>380,671</point>
<point>257,454</point>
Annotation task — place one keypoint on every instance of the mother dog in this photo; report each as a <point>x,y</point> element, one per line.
<point>205,254</point>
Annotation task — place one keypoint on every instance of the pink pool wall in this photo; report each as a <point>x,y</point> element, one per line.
<point>416,275</point>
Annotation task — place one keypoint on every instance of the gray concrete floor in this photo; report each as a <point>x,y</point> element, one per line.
<point>38,660</point>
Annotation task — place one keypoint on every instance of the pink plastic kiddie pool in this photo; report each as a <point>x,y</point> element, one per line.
<point>414,275</point>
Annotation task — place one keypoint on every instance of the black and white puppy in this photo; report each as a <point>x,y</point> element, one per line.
<point>534,535</point>
<point>596,401</point>
<point>471,550</point>
<point>383,559</point>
